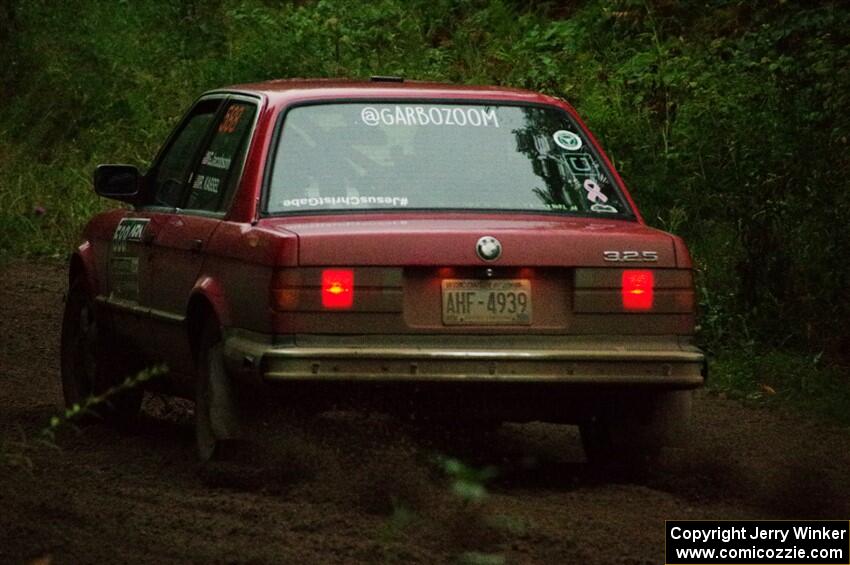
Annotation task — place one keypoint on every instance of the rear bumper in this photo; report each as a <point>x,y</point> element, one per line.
<point>656,361</point>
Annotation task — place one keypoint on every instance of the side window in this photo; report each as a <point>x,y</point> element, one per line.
<point>173,169</point>
<point>215,178</point>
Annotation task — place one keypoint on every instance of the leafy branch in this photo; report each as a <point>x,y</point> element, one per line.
<point>15,452</point>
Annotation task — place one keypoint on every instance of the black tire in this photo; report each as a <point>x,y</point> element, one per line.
<point>630,435</point>
<point>218,431</point>
<point>91,362</point>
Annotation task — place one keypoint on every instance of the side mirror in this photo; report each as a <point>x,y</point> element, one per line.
<point>119,182</point>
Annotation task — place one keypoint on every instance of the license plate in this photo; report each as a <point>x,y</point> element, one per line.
<point>486,302</point>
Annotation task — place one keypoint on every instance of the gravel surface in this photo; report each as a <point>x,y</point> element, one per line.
<point>349,487</point>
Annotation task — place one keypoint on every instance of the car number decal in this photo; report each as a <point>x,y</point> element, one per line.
<point>231,119</point>
<point>123,261</point>
<point>129,229</point>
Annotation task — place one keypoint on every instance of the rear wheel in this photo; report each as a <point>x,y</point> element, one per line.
<point>630,435</point>
<point>217,429</point>
<point>91,362</point>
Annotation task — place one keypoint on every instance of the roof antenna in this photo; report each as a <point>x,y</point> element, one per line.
<point>380,78</point>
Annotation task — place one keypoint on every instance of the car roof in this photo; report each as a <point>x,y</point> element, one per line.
<point>289,91</point>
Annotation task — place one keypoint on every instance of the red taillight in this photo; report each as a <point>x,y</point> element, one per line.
<point>638,290</point>
<point>337,288</point>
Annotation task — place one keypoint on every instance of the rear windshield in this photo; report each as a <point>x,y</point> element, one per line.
<point>380,156</point>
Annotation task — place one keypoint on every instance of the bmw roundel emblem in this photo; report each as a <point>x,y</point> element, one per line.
<point>488,248</point>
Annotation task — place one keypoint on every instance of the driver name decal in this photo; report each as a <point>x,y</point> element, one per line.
<point>312,202</point>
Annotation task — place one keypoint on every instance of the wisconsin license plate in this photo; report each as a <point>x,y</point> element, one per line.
<point>486,302</point>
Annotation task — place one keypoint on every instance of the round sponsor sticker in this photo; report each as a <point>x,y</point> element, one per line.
<point>567,139</point>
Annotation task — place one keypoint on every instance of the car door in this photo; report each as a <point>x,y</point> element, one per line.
<point>131,248</point>
<point>178,249</point>
<point>165,184</point>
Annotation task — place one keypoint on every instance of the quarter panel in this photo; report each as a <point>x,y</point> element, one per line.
<point>238,269</point>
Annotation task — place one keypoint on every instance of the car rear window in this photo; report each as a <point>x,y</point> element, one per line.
<point>379,156</point>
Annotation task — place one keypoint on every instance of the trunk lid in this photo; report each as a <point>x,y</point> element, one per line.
<point>450,240</point>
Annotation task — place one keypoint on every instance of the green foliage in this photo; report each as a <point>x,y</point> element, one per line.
<point>478,558</point>
<point>467,483</point>
<point>477,526</point>
<point>728,118</point>
<point>90,405</point>
<point>806,382</point>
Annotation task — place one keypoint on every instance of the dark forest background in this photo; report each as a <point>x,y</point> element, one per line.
<point>729,120</point>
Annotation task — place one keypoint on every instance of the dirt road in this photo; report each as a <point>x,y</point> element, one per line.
<point>350,487</point>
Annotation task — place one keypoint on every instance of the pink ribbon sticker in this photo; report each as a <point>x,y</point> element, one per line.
<point>594,191</point>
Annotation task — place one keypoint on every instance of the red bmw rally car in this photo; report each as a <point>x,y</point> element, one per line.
<point>463,252</point>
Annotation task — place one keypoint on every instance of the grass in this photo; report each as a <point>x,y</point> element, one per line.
<point>782,378</point>
<point>43,207</point>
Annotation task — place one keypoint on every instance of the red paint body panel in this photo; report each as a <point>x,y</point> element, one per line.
<point>94,250</point>
<point>683,256</point>
<point>210,289</point>
<point>84,263</point>
<point>448,239</point>
<point>241,259</point>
